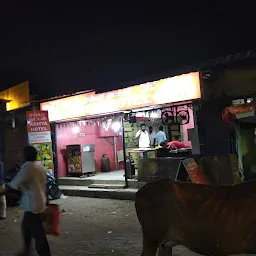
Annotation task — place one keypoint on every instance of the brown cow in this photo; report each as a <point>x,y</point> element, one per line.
<point>210,220</point>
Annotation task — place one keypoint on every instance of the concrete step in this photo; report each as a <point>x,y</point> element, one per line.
<point>106,186</point>
<point>68,181</point>
<point>87,181</point>
<point>121,194</point>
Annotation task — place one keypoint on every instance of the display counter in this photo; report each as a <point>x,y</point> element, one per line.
<point>134,154</point>
<point>174,168</point>
<point>153,169</point>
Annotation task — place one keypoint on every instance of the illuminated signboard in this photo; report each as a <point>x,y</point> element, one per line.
<point>17,95</point>
<point>174,89</point>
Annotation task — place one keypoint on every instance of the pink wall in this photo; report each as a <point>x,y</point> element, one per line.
<point>188,126</point>
<point>66,136</point>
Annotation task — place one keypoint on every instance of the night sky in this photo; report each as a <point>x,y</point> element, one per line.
<point>61,46</point>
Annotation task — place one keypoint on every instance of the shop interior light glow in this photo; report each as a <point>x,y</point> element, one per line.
<point>154,114</point>
<point>116,126</point>
<point>75,129</point>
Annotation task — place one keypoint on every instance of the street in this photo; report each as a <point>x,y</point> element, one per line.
<point>89,226</point>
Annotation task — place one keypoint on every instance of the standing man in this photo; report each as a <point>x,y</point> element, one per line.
<point>160,136</point>
<point>143,137</point>
<point>2,191</point>
<point>31,179</point>
<point>152,137</point>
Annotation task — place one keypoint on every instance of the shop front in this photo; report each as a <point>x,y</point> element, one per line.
<point>242,121</point>
<point>94,133</point>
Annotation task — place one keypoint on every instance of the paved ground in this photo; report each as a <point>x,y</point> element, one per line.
<point>89,226</point>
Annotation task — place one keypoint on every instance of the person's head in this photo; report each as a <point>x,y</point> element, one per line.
<point>163,144</point>
<point>161,128</point>
<point>30,153</point>
<point>150,128</point>
<point>177,137</point>
<point>143,127</point>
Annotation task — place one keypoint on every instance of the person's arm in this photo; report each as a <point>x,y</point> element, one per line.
<point>171,146</point>
<point>165,138</point>
<point>20,179</point>
<point>154,139</point>
<point>138,134</point>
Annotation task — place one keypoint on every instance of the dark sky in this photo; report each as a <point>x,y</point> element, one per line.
<point>59,45</point>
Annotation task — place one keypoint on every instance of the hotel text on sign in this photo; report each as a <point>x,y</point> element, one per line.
<point>169,90</point>
<point>38,126</point>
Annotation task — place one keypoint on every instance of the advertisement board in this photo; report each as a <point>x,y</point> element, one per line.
<point>39,136</point>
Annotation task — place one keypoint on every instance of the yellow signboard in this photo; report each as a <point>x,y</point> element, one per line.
<point>168,90</point>
<point>17,96</point>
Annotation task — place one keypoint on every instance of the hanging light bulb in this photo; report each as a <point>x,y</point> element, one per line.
<point>75,129</point>
<point>116,125</point>
<point>13,123</point>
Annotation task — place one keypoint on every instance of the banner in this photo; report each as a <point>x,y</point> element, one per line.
<point>39,136</point>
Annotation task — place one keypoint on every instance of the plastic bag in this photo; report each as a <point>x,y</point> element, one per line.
<point>51,220</point>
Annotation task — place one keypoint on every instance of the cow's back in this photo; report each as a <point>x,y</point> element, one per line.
<point>207,219</point>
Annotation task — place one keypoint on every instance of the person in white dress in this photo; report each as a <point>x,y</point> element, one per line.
<point>143,137</point>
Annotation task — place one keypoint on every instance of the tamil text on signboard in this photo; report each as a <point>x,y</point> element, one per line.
<point>174,89</point>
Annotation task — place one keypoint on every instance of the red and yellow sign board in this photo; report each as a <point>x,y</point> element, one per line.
<point>39,136</point>
<point>38,127</point>
<point>174,89</point>
<point>193,171</point>
<point>18,96</point>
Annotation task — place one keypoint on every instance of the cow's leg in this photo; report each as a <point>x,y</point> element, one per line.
<point>149,247</point>
<point>165,249</point>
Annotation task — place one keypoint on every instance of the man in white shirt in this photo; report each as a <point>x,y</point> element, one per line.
<point>143,137</point>
<point>160,136</point>
<point>152,137</point>
<point>31,179</point>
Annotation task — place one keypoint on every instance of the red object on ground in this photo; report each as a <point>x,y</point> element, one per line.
<point>51,220</point>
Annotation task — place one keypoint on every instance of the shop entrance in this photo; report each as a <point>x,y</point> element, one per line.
<point>175,122</point>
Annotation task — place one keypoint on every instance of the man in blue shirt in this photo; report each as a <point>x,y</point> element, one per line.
<point>160,136</point>
<point>2,190</point>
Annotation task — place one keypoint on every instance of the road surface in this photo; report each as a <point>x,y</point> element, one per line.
<point>89,226</point>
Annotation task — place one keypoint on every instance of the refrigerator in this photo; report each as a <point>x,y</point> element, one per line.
<point>80,159</point>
